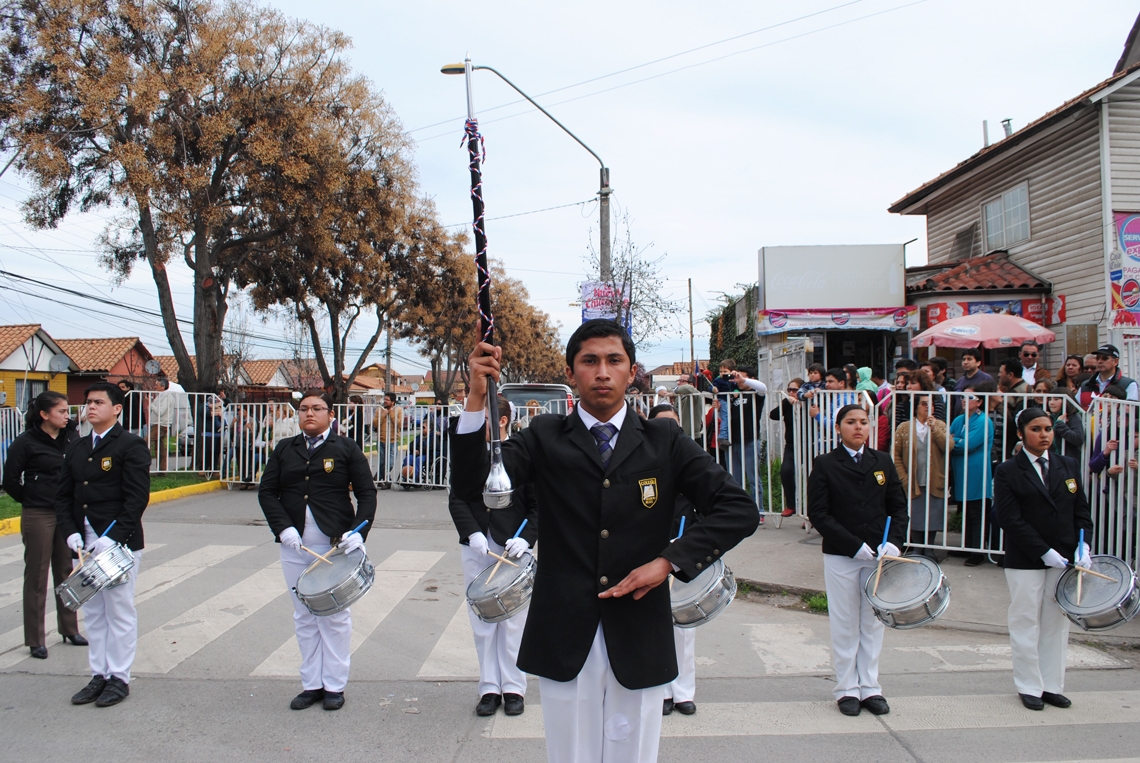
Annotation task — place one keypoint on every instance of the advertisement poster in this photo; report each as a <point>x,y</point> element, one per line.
<point>1124,270</point>
<point>600,300</point>
<point>889,318</point>
<point>1050,313</point>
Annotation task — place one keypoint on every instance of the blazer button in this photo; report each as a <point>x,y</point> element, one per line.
<point>85,506</point>
<point>604,580</point>
<point>708,558</point>
<point>605,533</point>
<point>306,478</point>
<point>85,482</point>
<point>605,483</point>
<point>700,566</point>
<point>306,497</point>
<point>716,552</point>
<point>90,460</point>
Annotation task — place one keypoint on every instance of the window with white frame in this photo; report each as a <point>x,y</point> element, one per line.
<point>1007,218</point>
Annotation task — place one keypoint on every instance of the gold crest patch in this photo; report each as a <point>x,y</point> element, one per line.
<point>328,465</point>
<point>648,492</point>
<point>106,464</point>
<point>881,478</point>
<point>1072,485</point>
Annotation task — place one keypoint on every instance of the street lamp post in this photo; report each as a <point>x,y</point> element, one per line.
<point>604,189</point>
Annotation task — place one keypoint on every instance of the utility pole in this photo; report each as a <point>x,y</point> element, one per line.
<point>692,355</point>
<point>604,226</point>
<point>388,355</point>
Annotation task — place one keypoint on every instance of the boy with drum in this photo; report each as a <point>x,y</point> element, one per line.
<point>483,530</point>
<point>305,496</point>
<point>103,490</point>
<point>1041,505</point>
<point>852,491</point>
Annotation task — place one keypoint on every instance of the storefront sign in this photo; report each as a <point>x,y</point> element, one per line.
<point>886,318</point>
<point>600,300</point>
<point>1124,270</point>
<point>1050,313</point>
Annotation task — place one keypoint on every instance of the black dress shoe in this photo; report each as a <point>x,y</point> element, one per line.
<point>114,692</point>
<point>973,560</point>
<point>307,698</point>
<point>849,706</point>
<point>334,700</point>
<point>513,704</point>
<point>39,652</point>
<point>76,639</point>
<point>667,708</point>
<point>1033,703</point>
<point>488,704</point>
<point>686,708</point>
<point>876,704</point>
<point>1056,700</point>
<point>90,692</point>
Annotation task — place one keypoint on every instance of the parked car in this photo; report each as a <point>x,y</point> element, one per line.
<point>530,400</point>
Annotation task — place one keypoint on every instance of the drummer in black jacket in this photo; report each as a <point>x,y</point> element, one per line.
<point>851,492</point>
<point>104,489</point>
<point>305,496</point>
<point>1041,505</point>
<point>481,530</point>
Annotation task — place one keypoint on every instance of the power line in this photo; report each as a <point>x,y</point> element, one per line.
<point>520,214</point>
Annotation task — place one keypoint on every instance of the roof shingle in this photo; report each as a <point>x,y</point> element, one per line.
<point>993,272</point>
<point>94,355</point>
<point>11,337</point>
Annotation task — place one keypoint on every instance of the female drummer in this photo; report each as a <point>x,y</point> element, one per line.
<point>1041,505</point>
<point>852,490</point>
<point>481,530</point>
<point>31,473</point>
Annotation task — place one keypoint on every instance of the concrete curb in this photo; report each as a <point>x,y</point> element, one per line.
<point>9,526</point>
<point>183,492</point>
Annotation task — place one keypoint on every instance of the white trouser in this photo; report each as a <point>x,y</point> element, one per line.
<point>112,623</point>
<point>594,719</point>
<point>684,689</point>
<point>856,634</point>
<point>496,643</point>
<point>1038,631</point>
<point>325,642</point>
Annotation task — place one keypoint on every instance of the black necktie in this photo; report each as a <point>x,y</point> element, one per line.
<point>313,442</point>
<point>95,442</point>
<point>603,433</point>
<point>1044,464</point>
<point>858,458</point>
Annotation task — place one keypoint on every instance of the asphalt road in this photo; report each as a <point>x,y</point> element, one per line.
<point>217,664</point>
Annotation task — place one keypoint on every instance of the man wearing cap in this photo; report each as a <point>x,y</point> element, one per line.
<point>1107,360</point>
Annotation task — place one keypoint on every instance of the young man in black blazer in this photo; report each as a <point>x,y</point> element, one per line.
<point>305,496</point>
<point>1042,507</point>
<point>599,633</point>
<point>105,479</point>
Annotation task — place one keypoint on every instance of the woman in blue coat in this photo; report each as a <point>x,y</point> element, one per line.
<point>971,476</point>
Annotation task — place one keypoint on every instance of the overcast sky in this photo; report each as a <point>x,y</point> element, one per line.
<point>803,132</point>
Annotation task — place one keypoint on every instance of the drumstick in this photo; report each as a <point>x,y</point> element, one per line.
<point>314,553</point>
<point>680,532</point>
<point>1094,574</point>
<point>502,559</point>
<point>1080,577</point>
<point>902,559</point>
<point>879,571</point>
<point>499,563</point>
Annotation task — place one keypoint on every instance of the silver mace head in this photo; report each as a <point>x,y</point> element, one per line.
<point>497,490</point>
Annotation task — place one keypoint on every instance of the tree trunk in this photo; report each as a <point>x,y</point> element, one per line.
<point>186,375</point>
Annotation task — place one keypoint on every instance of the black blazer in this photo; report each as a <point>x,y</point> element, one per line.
<point>1035,519</point>
<point>849,503</point>
<point>598,524</point>
<point>500,525</point>
<point>105,484</point>
<point>292,480</point>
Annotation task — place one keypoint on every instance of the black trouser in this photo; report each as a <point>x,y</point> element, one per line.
<point>788,477</point>
<point>973,525</point>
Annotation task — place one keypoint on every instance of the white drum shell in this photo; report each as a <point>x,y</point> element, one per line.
<point>909,597</point>
<point>1104,605</point>
<point>325,592</point>
<point>105,570</point>
<point>704,597</point>
<point>509,593</point>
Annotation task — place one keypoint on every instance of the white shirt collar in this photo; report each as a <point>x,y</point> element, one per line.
<point>96,436</point>
<point>617,419</point>
<point>321,437</point>
<point>1034,458</point>
<point>853,453</point>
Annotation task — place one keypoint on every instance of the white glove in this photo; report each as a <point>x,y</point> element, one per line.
<point>291,538</point>
<point>865,554</point>
<point>1083,560</point>
<point>478,543</point>
<point>101,544</point>
<point>75,542</point>
<point>516,547</point>
<point>351,542</point>
<point>888,549</point>
<point>1053,559</point>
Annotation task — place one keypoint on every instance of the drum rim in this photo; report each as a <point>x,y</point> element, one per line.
<point>335,553</point>
<point>938,581</point>
<point>704,590</point>
<point>1128,583</point>
<point>527,570</point>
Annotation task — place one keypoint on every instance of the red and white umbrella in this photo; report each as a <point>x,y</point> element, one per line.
<point>989,330</point>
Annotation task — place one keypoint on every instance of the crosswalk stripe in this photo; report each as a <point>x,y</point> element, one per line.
<point>720,719</point>
<point>395,577</point>
<point>454,655</point>
<point>13,553</point>
<point>162,649</point>
<point>12,591</point>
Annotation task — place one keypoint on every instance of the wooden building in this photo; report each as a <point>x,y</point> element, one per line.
<point>114,360</point>
<point>31,362</point>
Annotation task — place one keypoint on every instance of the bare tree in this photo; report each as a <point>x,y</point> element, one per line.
<point>649,312</point>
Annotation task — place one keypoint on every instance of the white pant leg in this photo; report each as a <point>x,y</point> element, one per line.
<point>856,634</point>
<point>112,623</point>
<point>684,689</point>
<point>1038,631</point>
<point>594,718</point>
<point>497,644</point>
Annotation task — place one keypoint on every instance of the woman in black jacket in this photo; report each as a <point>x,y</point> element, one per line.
<point>31,472</point>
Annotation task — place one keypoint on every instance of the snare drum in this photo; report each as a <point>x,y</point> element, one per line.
<point>704,597</point>
<point>494,599</point>
<point>909,595</point>
<point>326,589</point>
<point>1104,604</point>
<point>105,570</point>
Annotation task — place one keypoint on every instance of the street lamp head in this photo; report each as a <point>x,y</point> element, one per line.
<point>454,69</point>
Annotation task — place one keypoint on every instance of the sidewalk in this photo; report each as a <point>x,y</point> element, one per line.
<point>791,560</point>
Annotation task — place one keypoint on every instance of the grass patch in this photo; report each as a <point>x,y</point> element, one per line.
<point>177,479</point>
<point>954,521</point>
<point>8,507</point>
<point>743,589</point>
<point>817,602</point>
